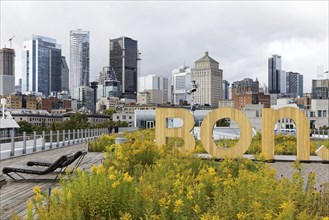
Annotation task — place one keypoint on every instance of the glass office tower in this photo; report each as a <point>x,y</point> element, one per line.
<point>41,65</point>
<point>123,59</point>
<point>79,59</point>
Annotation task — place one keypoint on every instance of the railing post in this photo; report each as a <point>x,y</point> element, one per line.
<point>57,137</point>
<point>69,137</point>
<point>34,141</point>
<point>12,152</point>
<point>63,142</point>
<point>51,139</point>
<point>73,137</point>
<point>43,141</point>
<point>78,136</point>
<point>85,134</point>
<point>24,142</point>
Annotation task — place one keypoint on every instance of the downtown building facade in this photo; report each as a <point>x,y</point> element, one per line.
<point>157,86</point>
<point>291,84</point>
<point>107,84</point>
<point>41,67</point>
<point>274,73</point>
<point>124,57</point>
<point>79,61</point>
<point>209,79</point>
<point>65,75</point>
<point>181,83</point>
<point>7,71</point>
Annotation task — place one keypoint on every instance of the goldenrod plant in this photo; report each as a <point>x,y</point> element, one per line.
<point>138,180</point>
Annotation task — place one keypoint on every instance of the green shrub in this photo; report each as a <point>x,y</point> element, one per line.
<point>100,144</point>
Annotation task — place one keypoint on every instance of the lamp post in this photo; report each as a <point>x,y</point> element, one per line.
<point>191,92</point>
<point>3,103</point>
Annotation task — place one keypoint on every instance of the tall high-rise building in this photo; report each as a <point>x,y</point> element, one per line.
<point>209,79</point>
<point>7,71</point>
<point>274,72</point>
<point>41,72</point>
<point>156,85</point>
<point>291,84</point>
<point>79,60</point>
<point>296,85</point>
<point>108,85</point>
<point>65,75</point>
<point>226,85</point>
<point>181,83</point>
<point>124,57</point>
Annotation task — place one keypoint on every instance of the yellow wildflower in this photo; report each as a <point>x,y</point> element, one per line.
<point>126,216</point>
<point>37,190</point>
<point>69,195</point>
<point>56,192</point>
<point>115,184</point>
<point>197,209</point>
<point>111,169</point>
<point>163,202</point>
<point>190,194</point>
<point>93,169</point>
<point>211,171</point>
<point>178,205</point>
<point>100,169</point>
<point>127,178</point>
<point>112,177</point>
<point>242,215</point>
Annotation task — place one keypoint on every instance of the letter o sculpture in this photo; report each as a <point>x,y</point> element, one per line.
<point>207,127</point>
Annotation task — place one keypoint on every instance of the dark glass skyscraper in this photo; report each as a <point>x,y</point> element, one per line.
<point>123,59</point>
<point>41,65</point>
<point>274,71</point>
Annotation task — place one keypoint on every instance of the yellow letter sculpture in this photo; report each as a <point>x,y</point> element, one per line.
<point>270,117</point>
<point>162,132</point>
<point>245,133</point>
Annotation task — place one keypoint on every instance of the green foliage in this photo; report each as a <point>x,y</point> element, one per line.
<point>137,180</point>
<point>109,111</point>
<point>25,126</point>
<point>101,143</point>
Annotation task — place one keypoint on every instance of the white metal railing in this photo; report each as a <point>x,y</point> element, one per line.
<point>26,144</point>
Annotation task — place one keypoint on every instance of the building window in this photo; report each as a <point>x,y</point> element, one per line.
<point>118,117</point>
<point>324,113</point>
<point>319,113</point>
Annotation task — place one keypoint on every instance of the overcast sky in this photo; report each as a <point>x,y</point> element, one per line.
<point>239,35</point>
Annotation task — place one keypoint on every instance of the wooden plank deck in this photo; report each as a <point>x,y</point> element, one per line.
<point>14,195</point>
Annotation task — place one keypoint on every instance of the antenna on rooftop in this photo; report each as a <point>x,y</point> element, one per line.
<point>11,41</point>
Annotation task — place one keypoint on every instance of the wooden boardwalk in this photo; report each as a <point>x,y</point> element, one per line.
<point>14,195</point>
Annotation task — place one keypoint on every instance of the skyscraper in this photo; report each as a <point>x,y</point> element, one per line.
<point>124,56</point>
<point>7,71</point>
<point>65,75</point>
<point>274,71</point>
<point>209,79</point>
<point>79,60</point>
<point>41,65</point>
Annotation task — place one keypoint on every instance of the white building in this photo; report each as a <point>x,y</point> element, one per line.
<point>155,84</point>
<point>181,82</point>
<point>209,79</point>
<point>79,60</point>
<point>319,112</point>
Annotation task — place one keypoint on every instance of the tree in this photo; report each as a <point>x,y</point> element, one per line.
<point>25,126</point>
<point>109,112</point>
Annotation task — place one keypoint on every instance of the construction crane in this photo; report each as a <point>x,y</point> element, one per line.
<point>10,40</point>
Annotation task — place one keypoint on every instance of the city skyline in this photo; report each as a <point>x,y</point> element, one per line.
<point>241,44</point>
